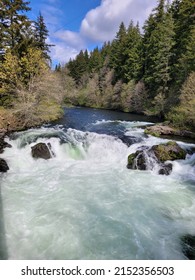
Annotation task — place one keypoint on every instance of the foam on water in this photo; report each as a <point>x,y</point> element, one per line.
<point>85,204</point>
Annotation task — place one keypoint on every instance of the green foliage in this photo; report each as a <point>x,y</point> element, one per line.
<point>183,60</point>
<point>41,34</point>
<point>158,43</point>
<point>141,73</point>
<point>14,25</point>
<point>183,115</point>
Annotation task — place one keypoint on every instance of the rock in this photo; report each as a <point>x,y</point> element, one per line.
<point>141,160</point>
<point>3,144</point>
<point>130,160</point>
<point>158,130</point>
<point>165,169</point>
<point>162,129</point>
<point>3,165</point>
<point>168,151</point>
<point>41,150</point>
<point>188,246</point>
<point>149,158</point>
<point>137,161</point>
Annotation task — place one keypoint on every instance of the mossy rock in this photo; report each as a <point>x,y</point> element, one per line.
<point>153,133</point>
<point>137,161</point>
<point>169,151</point>
<point>130,160</point>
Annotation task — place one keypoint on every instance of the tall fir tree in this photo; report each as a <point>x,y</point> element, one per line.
<point>41,35</point>
<point>133,53</point>
<point>158,44</point>
<point>14,24</point>
<point>184,54</point>
<point>118,54</point>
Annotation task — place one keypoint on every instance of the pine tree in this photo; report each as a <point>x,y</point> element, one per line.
<point>184,55</point>
<point>41,35</point>
<point>14,24</point>
<point>133,53</point>
<point>118,54</point>
<point>95,61</point>
<point>158,44</point>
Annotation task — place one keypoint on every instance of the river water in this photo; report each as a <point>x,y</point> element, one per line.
<point>84,203</point>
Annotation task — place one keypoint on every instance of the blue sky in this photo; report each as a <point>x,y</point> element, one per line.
<point>84,24</point>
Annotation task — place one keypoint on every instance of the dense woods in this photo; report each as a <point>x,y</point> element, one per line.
<point>149,69</point>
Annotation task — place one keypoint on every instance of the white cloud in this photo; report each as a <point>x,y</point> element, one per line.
<point>72,39</point>
<point>102,23</point>
<point>62,53</point>
<point>99,24</point>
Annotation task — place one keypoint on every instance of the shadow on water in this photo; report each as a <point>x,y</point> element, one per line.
<point>3,247</point>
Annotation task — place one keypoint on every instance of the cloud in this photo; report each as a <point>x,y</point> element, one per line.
<point>62,53</point>
<point>102,23</point>
<point>98,25</point>
<point>72,39</point>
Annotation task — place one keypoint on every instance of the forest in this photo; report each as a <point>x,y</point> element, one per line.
<point>148,70</point>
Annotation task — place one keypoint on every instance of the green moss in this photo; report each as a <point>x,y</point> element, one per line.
<point>169,151</point>
<point>155,134</point>
<point>130,159</point>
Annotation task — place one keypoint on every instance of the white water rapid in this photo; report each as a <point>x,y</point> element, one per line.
<point>85,204</point>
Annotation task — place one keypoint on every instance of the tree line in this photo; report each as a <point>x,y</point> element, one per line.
<point>150,71</point>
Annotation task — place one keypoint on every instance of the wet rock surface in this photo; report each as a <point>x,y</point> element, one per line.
<point>188,246</point>
<point>41,150</point>
<point>149,158</point>
<point>3,166</point>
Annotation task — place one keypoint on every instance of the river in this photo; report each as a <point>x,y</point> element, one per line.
<point>84,203</point>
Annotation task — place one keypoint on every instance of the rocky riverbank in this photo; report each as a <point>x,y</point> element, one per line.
<point>166,130</point>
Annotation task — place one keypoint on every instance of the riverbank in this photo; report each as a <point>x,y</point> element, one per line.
<point>162,129</point>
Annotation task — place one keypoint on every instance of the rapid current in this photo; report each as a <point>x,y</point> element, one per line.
<point>84,203</point>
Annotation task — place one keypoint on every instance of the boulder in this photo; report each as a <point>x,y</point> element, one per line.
<point>168,151</point>
<point>137,161</point>
<point>162,129</point>
<point>149,158</point>
<point>41,150</point>
<point>157,130</point>
<point>188,246</point>
<point>3,165</point>
<point>3,144</point>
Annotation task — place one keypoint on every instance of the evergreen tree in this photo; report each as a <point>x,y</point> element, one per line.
<point>158,44</point>
<point>184,55</point>
<point>41,35</point>
<point>118,53</point>
<point>13,24</point>
<point>95,61</point>
<point>79,66</point>
<point>133,54</point>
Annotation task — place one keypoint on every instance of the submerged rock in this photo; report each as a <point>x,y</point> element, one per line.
<point>41,150</point>
<point>3,165</point>
<point>165,169</point>
<point>188,246</point>
<point>149,158</point>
